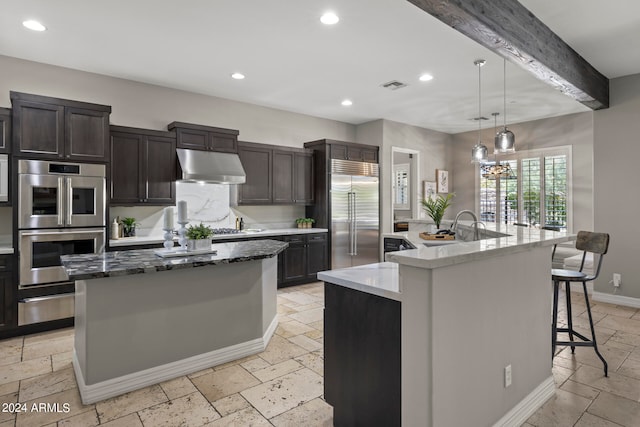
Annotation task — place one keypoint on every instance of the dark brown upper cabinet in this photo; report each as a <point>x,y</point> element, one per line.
<point>342,150</point>
<point>275,175</point>
<point>143,167</point>
<point>354,152</point>
<point>257,164</point>
<point>205,138</point>
<point>54,128</point>
<point>5,130</point>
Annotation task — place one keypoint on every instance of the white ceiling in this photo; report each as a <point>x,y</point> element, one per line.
<point>295,63</point>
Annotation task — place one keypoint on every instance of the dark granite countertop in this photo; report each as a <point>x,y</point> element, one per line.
<point>122,263</point>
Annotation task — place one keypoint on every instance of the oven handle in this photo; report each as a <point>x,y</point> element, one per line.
<point>60,200</point>
<point>59,233</point>
<point>69,208</point>
<point>46,298</point>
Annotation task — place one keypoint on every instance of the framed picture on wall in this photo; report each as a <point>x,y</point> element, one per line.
<point>428,189</point>
<point>442,180</point>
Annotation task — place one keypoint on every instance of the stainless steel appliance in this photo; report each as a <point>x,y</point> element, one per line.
<point>54,194</point>
<point>4,177</point>
<point>40,252</point>
<point>354,213</point>
<point>61,211</point>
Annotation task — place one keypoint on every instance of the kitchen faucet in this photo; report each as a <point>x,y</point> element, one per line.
<point>454,226</point>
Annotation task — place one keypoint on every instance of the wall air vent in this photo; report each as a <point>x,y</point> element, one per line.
<point>393,85</point>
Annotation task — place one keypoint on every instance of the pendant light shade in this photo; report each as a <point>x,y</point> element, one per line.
<point>479,152</point>
<point>505,141</point>
<point>497,170</point>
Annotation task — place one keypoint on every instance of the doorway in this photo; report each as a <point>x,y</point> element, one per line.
<point>405,188</point>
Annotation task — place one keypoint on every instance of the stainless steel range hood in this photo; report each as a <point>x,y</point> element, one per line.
<point>210,167</point>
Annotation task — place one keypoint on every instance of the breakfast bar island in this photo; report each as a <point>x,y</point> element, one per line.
<point>465,338</point>
<point>142,319</point>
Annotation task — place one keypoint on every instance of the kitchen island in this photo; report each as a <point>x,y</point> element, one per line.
<point>466,312</point>
<point>142,319</point>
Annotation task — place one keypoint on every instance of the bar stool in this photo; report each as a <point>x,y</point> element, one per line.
<point>588,242</point>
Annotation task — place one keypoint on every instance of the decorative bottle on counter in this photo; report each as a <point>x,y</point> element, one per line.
<point>115,229</point>
<point>241,223</point>
<point>237,223</point>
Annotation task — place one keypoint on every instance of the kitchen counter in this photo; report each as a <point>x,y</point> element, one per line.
<point>146,240</point>
<point>379,279</point>
<point>133,330</point>
<point>6,247</point>
<point>509,239</point>
<point>121,263</point>
<point>488,298</point>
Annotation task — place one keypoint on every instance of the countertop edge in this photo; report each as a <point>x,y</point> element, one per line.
<point>157,264</point>
<point>148,240</point>
<point>363,278</point>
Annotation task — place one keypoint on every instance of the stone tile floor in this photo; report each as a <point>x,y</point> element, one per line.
<point>282,386</point>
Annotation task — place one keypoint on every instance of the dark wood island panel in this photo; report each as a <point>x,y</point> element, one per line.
<point>362,357</point>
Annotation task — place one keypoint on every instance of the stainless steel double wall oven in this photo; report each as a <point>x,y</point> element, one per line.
<point>61,211</point>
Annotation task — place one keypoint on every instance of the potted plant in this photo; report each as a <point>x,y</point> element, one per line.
<point>199,237</point>
<point>129,227</point>
<point>300,222</point>
<point>308,222</point>
<point>436,206</point>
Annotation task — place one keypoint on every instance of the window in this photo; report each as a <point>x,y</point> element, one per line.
<point>401,187</point>
<point>538,194</point>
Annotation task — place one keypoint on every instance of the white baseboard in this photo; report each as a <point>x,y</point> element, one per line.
<point>134,381</point>
<point>616,299</point>
<point>527,406</point>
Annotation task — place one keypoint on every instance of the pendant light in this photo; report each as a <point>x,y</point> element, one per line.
<point>479,152</point>
<point>497,170</point>
<point>505,141</point>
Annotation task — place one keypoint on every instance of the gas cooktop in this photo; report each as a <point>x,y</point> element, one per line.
<point>226,231</point>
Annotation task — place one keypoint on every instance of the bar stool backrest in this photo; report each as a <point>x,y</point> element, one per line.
<point>596,243</point>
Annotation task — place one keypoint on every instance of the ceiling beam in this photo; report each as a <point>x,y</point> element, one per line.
<point>513,32</point>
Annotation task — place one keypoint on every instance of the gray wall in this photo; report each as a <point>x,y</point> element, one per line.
<point>616,171</point>
<point>575,130</point>
<point>153,107</point>
<point>435,153</point>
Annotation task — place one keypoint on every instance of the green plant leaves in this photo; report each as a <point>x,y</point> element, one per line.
<point>436,206</point>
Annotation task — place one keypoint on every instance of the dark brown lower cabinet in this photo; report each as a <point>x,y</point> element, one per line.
<point>306,255</point>
<point>361,357</point>
<point>8,303</point>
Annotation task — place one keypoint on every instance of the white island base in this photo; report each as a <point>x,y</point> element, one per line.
<point>132,331</point>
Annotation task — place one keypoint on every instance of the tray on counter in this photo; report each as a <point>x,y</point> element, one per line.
<point>178,252</point>
<point>427,236</point>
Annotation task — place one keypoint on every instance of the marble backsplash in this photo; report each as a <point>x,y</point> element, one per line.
<point>210,204</point>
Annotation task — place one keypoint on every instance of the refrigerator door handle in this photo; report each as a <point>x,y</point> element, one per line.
<point>350,220</point>
<point>355,225</point>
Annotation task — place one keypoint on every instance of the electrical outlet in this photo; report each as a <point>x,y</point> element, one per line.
<point>617,279</point>
<point>507,376</point>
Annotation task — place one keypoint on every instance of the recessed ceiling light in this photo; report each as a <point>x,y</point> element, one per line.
<point>237,76</point>
<point>329,18</point>
<point>426,77</point>
<point>347,103</point>
<point>34,25</point>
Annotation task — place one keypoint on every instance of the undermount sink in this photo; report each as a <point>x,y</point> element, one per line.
<point>252,230</point>
<point>432,243</point>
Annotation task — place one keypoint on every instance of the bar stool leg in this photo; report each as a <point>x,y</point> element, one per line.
<point>554,323</point>
<point>569,315</point>
<point>593,332</point>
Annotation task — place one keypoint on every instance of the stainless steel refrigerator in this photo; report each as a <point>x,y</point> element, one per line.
<point>355,213</point>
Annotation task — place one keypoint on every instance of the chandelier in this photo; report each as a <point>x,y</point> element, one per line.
<point>497,170</point>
